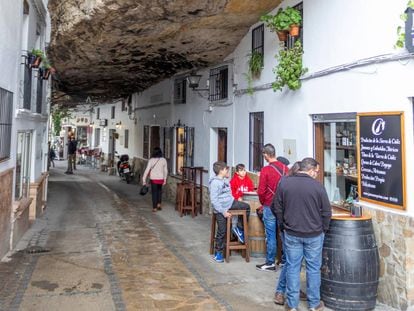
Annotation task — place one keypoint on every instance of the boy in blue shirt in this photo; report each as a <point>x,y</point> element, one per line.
<point>223,201</point>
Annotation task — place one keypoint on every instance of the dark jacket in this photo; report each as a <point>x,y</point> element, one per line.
<point>302,206</point>
<point>72,146</point>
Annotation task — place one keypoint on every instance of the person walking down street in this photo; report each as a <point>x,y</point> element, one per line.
<point>157,172</point>
<point>52,156</point>
<point>223,202</point>
<point>303,208</point>
<point>269,179</point>
<point>71,154</point>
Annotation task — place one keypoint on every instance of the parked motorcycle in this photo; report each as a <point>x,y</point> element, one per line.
<point>124,168</point>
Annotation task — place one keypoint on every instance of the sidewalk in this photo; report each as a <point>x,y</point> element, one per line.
<point>106,250</point>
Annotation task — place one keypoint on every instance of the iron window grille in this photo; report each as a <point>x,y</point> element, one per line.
<point>258,39</point>
<point>126,138</point>
<point>290,42</point>
<point>219,78</point>
<point>113,112</point>
<point>180,91</point>
<point>98,113</point>
<point>256,131</point>
<point>6,109</point>
<point>97,136</point>
<point>27,95</point>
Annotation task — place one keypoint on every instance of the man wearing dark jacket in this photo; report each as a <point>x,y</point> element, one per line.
<point>71,154</point>
<point>302,207</point>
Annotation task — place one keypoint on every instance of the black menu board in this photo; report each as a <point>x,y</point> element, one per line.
<point>381,158</point>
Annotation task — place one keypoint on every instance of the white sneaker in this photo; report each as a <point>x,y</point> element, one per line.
<point>266,267</point>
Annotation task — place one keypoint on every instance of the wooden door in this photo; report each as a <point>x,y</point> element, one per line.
<point>222,145</point>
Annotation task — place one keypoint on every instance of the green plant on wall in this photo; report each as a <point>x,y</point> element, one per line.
<point>58,114</point>
<point>255,67</point>
<point>282,20</point>
<point>38,53</point>
<point>289,68</point>
<point>400,33</point>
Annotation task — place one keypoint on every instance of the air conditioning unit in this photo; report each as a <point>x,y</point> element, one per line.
<point>103,122</point>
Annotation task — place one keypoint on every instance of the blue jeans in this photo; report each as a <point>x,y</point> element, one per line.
<point>281,283</point>
<point>297,248</point>
<point>270,224</point>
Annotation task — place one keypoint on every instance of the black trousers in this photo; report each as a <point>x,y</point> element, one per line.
<point>156,192</point>
<point>222,224</point>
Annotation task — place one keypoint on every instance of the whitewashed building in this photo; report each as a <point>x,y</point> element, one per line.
<point>24,107</point>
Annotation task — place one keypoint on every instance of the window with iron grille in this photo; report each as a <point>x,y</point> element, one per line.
<point>180,91</point>
<point>39,96</point>
<point>97,136</point>
<point>113,112</point>
<point>6,108</point>
<point>98,113</point>
<point>219,78</point>
<point>258,39</point>
<point>27,95</point>
<point>126,135</point>
<point>256,129</point>
<point>290,42</point>
<point>145,147</point>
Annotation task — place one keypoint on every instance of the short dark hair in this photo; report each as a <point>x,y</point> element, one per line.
<point>240,167</point>
<point>156,153</point>
<point>307,164</point>
<point>269,150</point>
<point>218,166</point>
<point>283,160</point>
<point>294,169</point>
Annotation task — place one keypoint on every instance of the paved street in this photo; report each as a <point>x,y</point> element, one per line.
<point>98,246</point>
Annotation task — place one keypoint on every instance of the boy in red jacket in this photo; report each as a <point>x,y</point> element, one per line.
<point>240,182</point>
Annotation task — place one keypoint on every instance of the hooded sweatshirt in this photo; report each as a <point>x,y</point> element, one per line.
<point>220,194</point>
<point>240,185</point>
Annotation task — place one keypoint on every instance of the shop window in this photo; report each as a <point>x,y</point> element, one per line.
<point>335,150</point>
<point>97,136</point>
<point>219,83</point>
<point>290,42</point>
<point>113,112</point>
<point>258,39</point>
<point>256,128</point>
<point>126,135</point>
<point>184,147</point>
<point>24,149</point>
<point>6,106</point>
<point>180,90</point>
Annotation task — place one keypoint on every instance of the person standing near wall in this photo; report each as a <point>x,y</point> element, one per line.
<point>157,172</point>
<point>269,179</point>
<point>71,154</point>
<point>304,212</point>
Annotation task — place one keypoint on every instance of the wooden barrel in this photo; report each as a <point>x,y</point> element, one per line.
<point>257,242</point>
<point>350,265</point>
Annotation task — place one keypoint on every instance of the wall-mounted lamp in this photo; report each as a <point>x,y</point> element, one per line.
<point>193,82</point>
<point>118,125</point>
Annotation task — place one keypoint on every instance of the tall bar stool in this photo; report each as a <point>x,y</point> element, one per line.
<point>232,245</point>
<point>187,200</point>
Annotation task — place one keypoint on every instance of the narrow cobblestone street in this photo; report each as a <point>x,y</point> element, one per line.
<point>98,246</point>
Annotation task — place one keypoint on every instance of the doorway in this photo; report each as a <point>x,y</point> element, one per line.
<point>111,148</point>
<point>154,138</point>
<point>222,144</point>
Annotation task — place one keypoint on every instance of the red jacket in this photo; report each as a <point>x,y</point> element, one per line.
<point>268,180</point>
<point>238,186</point>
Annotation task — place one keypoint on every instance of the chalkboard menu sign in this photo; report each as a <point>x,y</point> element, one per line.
<point>381,158</point>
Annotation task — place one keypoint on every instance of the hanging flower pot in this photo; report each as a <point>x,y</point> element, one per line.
<point>294,30</point>
<point>282,35</point>
<point>35,58</point>
<point>46,74</point>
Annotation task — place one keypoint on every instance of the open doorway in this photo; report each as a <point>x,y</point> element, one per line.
<point>222,144</point>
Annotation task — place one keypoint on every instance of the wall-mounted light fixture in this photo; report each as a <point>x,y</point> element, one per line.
<point>193,82</point>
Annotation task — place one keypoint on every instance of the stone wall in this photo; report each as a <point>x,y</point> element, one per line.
<point>395,239</point>
<point>6,192</point>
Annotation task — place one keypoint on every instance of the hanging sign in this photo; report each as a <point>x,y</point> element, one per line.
<point>381,155</point>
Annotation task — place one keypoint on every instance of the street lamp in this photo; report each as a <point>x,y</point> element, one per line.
<point>193,82</point>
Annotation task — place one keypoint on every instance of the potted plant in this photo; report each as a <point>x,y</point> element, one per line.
<point>400,32</point>
<point>289,68</point>
<point>47,69</point>
<point>35,58</point>
<point>255,64</point>
<point>284,21</point>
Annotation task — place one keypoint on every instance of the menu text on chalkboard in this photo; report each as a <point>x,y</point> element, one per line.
<point>381,154</point>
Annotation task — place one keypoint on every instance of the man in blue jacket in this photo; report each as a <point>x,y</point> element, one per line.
<point>303,210</point>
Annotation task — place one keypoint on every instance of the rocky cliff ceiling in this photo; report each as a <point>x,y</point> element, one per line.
<point>111,48</point>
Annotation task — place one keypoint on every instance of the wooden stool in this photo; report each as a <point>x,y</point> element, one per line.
<point>187,200</point>
<point>236,244</point>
